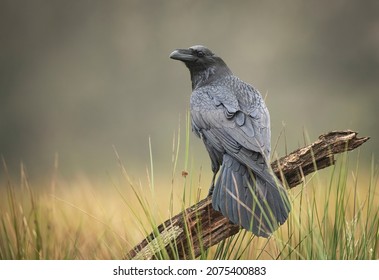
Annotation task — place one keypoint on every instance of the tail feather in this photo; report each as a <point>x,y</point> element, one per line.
<point>257,204</point>
<point>232,206</point>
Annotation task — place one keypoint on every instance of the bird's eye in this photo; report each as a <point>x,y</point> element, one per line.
<point>200,54</point>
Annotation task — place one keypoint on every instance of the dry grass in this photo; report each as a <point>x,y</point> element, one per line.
<point>335,216</point>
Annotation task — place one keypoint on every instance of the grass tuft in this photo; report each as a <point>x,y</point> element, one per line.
<point>335,214</point>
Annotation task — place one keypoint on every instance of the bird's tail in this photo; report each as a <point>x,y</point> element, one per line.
<point>258,204</point>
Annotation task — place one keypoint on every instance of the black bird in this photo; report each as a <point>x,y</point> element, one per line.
<point>232,119</point>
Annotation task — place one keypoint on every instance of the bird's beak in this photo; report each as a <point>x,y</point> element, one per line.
<point>182,55</point>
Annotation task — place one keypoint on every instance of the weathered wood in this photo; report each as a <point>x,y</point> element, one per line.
<point>197,228</point>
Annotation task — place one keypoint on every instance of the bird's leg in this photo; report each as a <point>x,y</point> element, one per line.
<point>212,187</point>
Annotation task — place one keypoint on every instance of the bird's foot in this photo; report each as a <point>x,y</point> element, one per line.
<point>211,189</point>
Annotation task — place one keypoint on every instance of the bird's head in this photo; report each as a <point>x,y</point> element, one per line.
<point>204,66</point>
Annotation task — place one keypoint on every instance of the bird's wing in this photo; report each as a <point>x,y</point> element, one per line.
<point>234,120</point>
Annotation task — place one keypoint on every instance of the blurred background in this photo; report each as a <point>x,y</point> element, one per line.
<point>79,77</point>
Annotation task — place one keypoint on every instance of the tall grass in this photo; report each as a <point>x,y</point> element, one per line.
<point>335,215</point>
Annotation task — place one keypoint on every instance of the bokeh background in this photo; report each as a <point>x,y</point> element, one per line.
<point>79,77</point>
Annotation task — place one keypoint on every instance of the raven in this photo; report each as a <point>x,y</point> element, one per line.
<point>232,119</point>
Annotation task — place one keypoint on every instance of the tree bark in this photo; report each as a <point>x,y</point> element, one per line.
<point>197,228</point>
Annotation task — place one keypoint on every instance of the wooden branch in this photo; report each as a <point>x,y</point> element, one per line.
<point>206,227</point>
